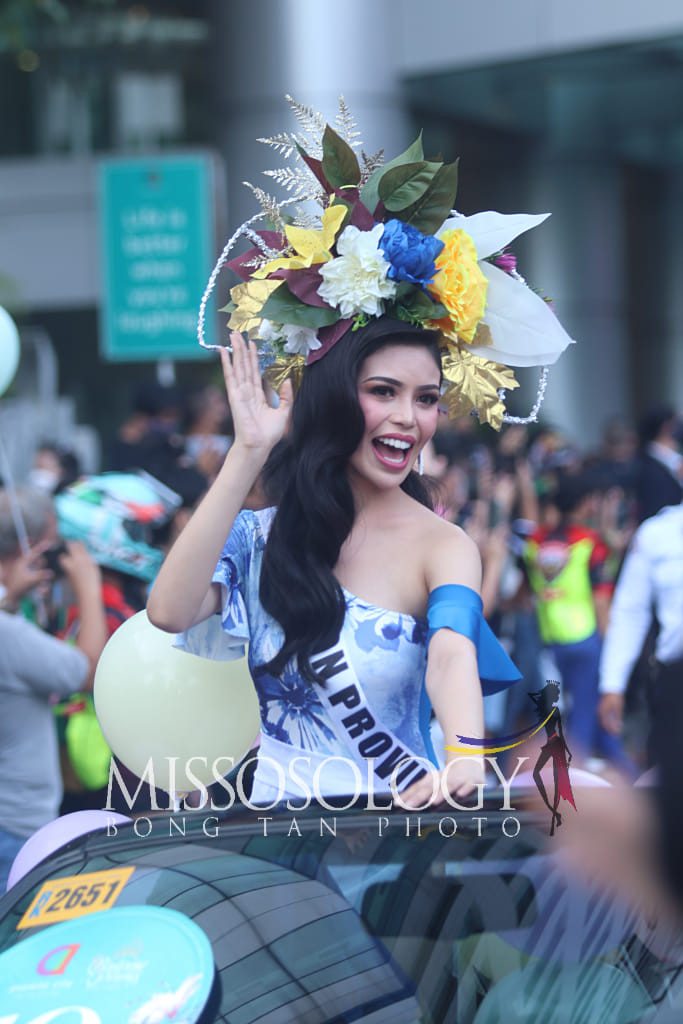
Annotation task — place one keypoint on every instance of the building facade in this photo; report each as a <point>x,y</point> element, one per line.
<point>573,109</point>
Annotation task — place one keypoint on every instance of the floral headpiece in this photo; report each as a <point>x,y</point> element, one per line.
<point>387,242</point>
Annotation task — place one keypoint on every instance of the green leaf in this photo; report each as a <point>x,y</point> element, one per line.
<point>439,311</point>
<point>339,164</point>
<point>413,304</point>
<point>370,191</point>
<point>418,305</point>
<point>403,290</point>
<point>429,212</point>
<point>229,308</point>
<point>282,307</point>
<point>403,186</point>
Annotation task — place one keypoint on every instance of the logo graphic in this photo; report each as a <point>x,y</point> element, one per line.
<point>49,964</point>
<point>554,748</point>
<point>547,717</point>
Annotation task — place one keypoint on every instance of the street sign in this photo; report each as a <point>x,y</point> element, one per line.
<point>157,251</point>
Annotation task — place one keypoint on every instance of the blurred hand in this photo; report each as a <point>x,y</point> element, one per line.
<point>504,493</point>
<point>25,572</point>
<point>476,526</point>
<point>257,425</point>
<point>512,440</point>
<point>209,460</point>
<point>496,544</point>
<point>459,777</point>
<point>81,569</point>
<point>611,712</point>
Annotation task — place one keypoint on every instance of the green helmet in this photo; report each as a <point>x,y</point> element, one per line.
<point>113,515</point>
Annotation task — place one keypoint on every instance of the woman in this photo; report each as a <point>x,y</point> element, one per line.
<point>352,520</point>
<point>555,747</point>
<point>332,588</point>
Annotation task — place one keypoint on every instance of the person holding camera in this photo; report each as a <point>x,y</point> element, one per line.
<point>36,668</point>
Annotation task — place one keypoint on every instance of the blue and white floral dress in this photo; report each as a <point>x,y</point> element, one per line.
<point>387,650</point>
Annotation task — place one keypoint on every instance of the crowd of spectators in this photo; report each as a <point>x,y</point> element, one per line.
<point>553,525</point>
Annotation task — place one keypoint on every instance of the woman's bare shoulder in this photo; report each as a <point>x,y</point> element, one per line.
<point>450,556</point>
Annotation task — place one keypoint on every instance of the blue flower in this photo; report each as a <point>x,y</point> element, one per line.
<point>410,253</point>
<point>378,629</point>
<point>291,711</point>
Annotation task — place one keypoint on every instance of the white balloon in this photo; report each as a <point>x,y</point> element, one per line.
<point>185,712</point>
<point>9,350</point>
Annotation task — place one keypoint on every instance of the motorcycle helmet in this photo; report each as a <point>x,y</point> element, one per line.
<point>114,515</point>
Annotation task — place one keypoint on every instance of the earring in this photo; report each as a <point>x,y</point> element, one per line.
<point>420,463</point>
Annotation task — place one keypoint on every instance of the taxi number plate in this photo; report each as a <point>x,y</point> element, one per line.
<point>60,899</point>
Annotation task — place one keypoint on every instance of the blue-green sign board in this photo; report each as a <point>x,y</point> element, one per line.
<point>156,236</point>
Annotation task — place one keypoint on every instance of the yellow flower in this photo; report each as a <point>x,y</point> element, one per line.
<point>310,246</point>
<point>460,285</point>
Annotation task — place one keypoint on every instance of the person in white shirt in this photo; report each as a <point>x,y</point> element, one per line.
<point>650,582</point>
<point>659,466</point>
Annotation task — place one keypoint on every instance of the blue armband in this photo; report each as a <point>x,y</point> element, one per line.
<point>460,609</point>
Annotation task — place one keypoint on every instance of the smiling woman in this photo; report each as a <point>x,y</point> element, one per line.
<point>398,391</point>
<point>360,605</point>
<point>331,585</point>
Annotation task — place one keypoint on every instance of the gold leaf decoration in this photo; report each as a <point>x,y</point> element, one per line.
<point>305,219</point>
<point>270,207</point>
<point>370,163</point>
<point>346,126</point>
<point>250,298</point>
<point>473,383</point>
<point>482,335</point>
<point>311,122</point>
<point>299,182</point>
<point>286,366</point>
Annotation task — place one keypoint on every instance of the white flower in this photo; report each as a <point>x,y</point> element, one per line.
<point>356,280</point>
<point>268,331</point>
<point>524,329</point>
<point>299,340</point>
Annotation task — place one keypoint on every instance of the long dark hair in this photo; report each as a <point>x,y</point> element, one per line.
<point>305,476</point>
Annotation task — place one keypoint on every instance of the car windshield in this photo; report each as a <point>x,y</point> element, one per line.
<point>338,915</point>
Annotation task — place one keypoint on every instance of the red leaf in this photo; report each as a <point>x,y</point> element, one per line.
<point>304,284</point>
<point>272,239</point>
<point>317,167</point>
<point>328,336</point>
<point>361,217</point>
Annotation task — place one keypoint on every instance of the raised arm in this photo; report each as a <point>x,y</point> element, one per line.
<point>86,580</point>
<point>183,593</point>
<point>452,679</point>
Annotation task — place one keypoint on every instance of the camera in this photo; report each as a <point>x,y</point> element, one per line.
<point>51,558</point>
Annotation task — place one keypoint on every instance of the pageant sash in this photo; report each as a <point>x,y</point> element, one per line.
<point>358,727</point>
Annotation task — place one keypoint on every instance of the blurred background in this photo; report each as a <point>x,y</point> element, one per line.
<point>127,133</point>
<point>128,129</point>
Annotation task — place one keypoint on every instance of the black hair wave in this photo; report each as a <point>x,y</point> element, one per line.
<point>305,476</point>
